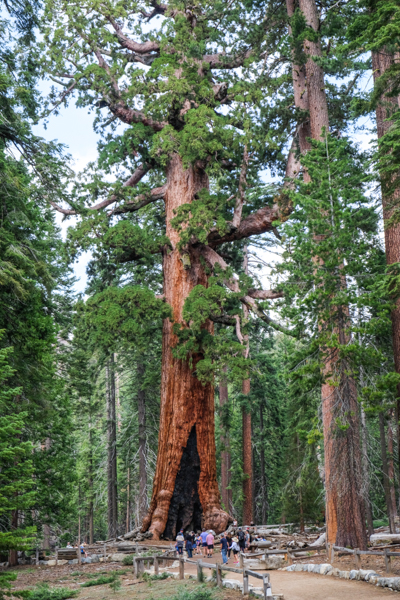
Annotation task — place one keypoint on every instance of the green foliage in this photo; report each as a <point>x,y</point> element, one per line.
<point>154,577</point>
<point>44,592</point>
<point>102,580</point>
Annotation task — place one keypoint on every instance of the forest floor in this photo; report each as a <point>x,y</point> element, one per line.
<point>294,585</point>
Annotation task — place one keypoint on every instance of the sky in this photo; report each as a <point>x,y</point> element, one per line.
<point>73,127</point>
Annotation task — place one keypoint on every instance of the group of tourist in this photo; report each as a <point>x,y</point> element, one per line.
<point>203,543</point>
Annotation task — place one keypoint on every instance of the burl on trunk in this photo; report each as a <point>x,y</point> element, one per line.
<point>185,491</point>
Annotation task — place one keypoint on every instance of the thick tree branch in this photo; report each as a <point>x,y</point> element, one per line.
<point>255,224</point>
<point>215,259</point>
<point>158,9</point>
<point>237,214</point>
<point>141,201</point>
<point>264,294</point>
<point>129,115</point>
<point>132,181</point>
<point>138,48</point>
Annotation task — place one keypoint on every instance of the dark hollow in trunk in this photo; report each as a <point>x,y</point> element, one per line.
<point>185,510</point>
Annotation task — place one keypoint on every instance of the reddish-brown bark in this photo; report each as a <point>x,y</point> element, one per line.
<point>381,62</point>
<point>187,406</point>
<point>344,504</point>
<point>247,460</point>
<point>391,470</point>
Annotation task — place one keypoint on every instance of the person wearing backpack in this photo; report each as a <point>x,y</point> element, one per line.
<point>179,542</point>
<point>242,540</point>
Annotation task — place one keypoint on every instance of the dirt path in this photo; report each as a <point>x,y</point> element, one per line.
<point>308,586</point>
<point>294,585</point>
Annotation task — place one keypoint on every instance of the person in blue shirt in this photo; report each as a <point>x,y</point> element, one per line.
<point>203,537</point>
<point>224,549</point>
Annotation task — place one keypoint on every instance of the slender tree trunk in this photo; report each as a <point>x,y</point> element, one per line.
<point>141,402</point>
<point>391,472</point>
<point>264,491</point>
<point>247,429</point>
<point>344,504</point>
<point>91,494</point>
<point>385,469</point>
<point>366,478</point>
<point>226,492</point>
<point>185,489</point>
<point>247,460</point>
<point>13,554</point>
<point>112,450</point>
<point>381,62</point>
<point>128,500</point>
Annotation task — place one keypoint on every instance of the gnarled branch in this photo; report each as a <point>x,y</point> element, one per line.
<point>141,201</point>
<point>133,180</point>
<point>126,42</point>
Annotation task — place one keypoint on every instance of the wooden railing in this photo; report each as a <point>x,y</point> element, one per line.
<point>387,555</point>
<point>247,573</point>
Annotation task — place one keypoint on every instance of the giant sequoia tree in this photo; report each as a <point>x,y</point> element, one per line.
<point>187,119</point>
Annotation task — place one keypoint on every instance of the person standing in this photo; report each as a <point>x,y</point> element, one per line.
<point>224,549</point>
<point>203,537</point>
<point>179,542</point>
<point>235,550</point>
<point>229,540</point>
<point>189,543</point>
<point>198,543</point>
<point>210,544</point>
<point>242,540</point>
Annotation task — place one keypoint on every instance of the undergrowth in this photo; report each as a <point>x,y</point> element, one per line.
<point>148,577</point>
<point>44,592</point>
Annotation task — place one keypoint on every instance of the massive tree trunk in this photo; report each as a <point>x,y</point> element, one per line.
<point>226,492</point>
<point>142,444</point>
<point>381,62</point>
<point>185,491</point>
<point>111,450</point>
<point>344,503</point>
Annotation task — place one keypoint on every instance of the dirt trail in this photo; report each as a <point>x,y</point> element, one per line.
<point>308,586</point>
<point>294,585</point>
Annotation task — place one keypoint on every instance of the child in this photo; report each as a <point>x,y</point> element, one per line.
<point>235,550</point>
<point>198,543</point>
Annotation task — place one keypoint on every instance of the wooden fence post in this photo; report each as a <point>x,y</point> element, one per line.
<point>332,554</point>
<point>181,568</point>
<point>155,565</point>
<point>56,556</point>
<point>199,571</point>
<point>388,561</point>
<point>219,575</point>
<point>245,583</point>
<point>266,585</point>
<point>135,566</point>
<point>79,554</point>
<point>289,558</point>
<point>357,558</point>
<point>37,556</point>
<point>137,548</point>
<point>241,564</point>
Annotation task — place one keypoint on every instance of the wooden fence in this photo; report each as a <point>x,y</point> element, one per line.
<point>139,563</point>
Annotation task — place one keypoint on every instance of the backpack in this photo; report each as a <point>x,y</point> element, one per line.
<point>241,536</point>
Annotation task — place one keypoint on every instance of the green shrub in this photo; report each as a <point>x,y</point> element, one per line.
<point>148,577</point>
<point>128,560</point>
<point>102,580</point>
<point>44,592</point>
